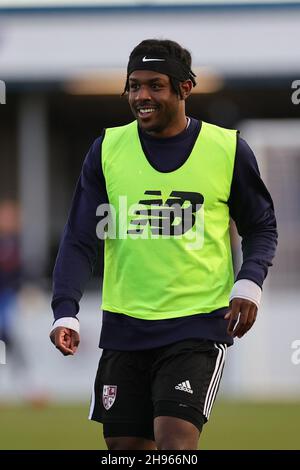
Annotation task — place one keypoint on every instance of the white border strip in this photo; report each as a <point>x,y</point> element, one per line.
<point>92,406</point>
<point>215,380</point>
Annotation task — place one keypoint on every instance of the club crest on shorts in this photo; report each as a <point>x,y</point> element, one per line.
<point>109,395</point>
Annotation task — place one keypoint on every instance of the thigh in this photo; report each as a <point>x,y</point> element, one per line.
<point>175,434</point>
<point>186,380</point>
<point>130,443</point>
<point>122,395</point>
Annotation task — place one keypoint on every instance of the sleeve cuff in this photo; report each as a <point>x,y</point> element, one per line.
<point>64,308</point>
<point>246,289</point>
<point>67,322</point>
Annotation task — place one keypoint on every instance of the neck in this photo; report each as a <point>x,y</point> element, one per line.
<point>176,128</point>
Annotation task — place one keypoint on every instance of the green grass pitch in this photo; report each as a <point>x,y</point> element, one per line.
<point>233,425</point>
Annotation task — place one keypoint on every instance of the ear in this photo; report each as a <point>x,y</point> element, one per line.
<point>186,88</point>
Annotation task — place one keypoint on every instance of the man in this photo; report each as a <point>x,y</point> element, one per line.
<point>10,273</point>
<point>168,279</point>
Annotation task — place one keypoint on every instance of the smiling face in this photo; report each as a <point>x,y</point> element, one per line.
<point>159,111</point>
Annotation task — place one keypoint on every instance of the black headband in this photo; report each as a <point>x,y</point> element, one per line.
<point>162,64</point>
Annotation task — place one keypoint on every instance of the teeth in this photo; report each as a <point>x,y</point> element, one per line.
<point>146,110</point>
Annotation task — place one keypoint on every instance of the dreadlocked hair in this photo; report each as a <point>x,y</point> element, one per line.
<point>164,47</point>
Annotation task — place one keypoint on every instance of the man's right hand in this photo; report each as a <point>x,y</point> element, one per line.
<point>65,339</point>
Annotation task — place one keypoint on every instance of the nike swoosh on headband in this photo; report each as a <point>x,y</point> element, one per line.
<point>144,59</point>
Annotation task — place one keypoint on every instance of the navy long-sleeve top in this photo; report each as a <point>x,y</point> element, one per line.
<point>250,206</point>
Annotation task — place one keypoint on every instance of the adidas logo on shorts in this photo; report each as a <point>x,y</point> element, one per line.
<point>184,386</point>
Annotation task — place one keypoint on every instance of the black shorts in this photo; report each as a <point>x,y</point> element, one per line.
<point>134,387</point>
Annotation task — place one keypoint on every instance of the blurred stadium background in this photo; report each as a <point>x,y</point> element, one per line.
<point>63,64</point>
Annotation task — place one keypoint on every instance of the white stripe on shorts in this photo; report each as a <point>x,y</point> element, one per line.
<point>92,406</point>
<point>215,380</point>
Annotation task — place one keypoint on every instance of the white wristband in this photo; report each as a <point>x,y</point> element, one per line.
<point>246,289</point>
<point>67,322</point>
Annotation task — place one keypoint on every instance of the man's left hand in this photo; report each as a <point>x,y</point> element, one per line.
<point>241,316</point>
